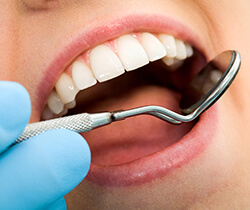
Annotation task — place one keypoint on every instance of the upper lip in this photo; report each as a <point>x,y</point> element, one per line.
<point>102,33</point>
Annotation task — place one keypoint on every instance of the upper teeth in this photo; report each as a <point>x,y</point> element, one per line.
<point>108,60</point>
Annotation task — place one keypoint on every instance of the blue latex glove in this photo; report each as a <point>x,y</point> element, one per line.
<point>37,173</point>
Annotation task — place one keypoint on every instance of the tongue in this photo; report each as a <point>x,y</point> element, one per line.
<point>136,137</point>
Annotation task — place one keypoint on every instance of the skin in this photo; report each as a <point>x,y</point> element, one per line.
<point>33,31</point>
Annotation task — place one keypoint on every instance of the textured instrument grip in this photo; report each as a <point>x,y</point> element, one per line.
<point>79,123</point>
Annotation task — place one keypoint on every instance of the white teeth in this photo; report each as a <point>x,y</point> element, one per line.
<point>105,64</point>
<point>177,63</point>
<point>66,88</point>
<point>189,49</point>
<point>82,75</point>
<point>131,52</point>
<point>47,114</point>
<point>168,42</point>
<point>168,61</point>
<point>152,46</point>
<point>172,63</point>
<point>54,103</point>
<point>215,76</point>
<point>64,112</point>
<point>180,49</point>
<point>70,105</point>
<point>107,61</point>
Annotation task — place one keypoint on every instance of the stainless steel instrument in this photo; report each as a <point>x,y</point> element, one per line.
<point>204,90</point>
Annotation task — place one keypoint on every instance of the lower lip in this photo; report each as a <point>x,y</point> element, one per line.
<point>158,165</point>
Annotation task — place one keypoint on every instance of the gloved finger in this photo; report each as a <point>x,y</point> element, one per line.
<point>15,112</point>
<point>57,205</point>
<point>41,170</point>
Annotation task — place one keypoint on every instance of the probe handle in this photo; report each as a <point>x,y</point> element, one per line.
<point>78,123</point>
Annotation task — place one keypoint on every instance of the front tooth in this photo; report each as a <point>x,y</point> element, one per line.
<point>105,64</point>
<point>54,103</point>
<point>152,46</point>
<point>168,42</point>
<point>180,49</point>
<point>131,52</point>
<point>66,89</point>
<point>82,75</point>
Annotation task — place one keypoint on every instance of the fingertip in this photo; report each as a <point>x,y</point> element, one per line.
<point>15,110</point>
<point>72,159</point>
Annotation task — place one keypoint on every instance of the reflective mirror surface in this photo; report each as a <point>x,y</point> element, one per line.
<point>207,81</point>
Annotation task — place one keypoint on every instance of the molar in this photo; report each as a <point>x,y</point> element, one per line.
<point>173,63</point>
<point>131,52</point>
<point>215,76</point>
<point>105,64</point>
<point>168,61</point>
<point>66,88</point>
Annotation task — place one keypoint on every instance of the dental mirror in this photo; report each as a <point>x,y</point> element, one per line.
<point>203,91</point>
<point>210,83</point>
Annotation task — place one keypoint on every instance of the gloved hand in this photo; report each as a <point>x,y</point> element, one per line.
<point>36,173</point>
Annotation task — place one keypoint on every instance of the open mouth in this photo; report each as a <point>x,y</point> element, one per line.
<point>132,70</point>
